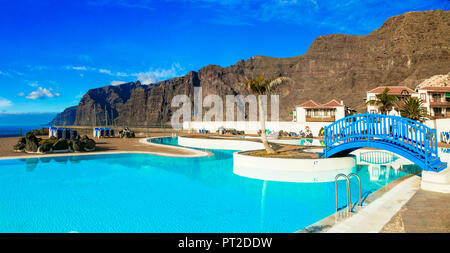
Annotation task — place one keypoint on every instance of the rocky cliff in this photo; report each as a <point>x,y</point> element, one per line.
<point>406,50</point>
<point>65,118</point>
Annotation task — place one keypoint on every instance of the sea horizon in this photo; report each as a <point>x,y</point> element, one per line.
<point>18,130</point>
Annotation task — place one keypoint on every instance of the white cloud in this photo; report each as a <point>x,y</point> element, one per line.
<point>146,77</point>
<point>105,71</point>
<point>38,67</point>
<point>41,93</point>
<point>115,83</point>
<point>93,69</point>
<point>80,68</point>
<point>21,94</point>
<point>121,74</point>
<point>33,84</point>
<point>5,102</point>
<point>151,76</point>
<point>156,75</point>
<point>2,73</point>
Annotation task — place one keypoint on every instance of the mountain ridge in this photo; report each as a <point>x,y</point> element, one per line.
<point>405,50</point>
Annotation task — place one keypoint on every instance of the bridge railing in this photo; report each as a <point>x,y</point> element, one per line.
<point>372,127</point>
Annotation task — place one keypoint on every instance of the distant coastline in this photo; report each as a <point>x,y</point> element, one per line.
<point>17,131</point>
<point>17,124</point>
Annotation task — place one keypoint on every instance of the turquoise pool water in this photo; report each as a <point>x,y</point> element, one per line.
<point>146,193</point>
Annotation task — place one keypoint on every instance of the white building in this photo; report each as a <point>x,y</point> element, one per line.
<point>311,111</point>
<point>436,100</point>
<point>400,92</point>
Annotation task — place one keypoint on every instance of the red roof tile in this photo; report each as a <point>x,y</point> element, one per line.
<point>393,90</point>
<point>313,104</point>
<point>309,103</point>
<point>333,103</point>
<point>436,88</point>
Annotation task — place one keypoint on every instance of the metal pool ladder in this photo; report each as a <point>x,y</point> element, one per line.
<point>350,206</point>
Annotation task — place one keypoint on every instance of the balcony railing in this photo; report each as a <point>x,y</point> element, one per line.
<point>320,119</point>
<point>439,103</point>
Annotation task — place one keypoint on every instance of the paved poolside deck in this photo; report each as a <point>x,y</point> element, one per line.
<point>425,212</point>
<point>103,145</point>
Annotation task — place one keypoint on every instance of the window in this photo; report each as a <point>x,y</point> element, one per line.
<point>436,97</point>
<point>423,96</point>
<point>437,112</point>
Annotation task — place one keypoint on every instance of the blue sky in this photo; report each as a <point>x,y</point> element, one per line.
<point>52,52</point>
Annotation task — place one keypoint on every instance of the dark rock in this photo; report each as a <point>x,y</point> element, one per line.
<point>89,145</point>
<point>19,147</point>
<point>126,133</point>
<point>74,135</point>
<point>60,145</point>
<point>65,134</point>
<point>45,148</point>
<point>84,138</point>
<point>31,147</point>
<point>52,138</point>
<point>77,146</point>
<point>31,143</point>
<point>41,131</point>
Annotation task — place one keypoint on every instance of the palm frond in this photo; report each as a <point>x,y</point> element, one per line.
<point>273,83</point>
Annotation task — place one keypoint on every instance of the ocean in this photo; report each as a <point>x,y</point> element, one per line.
<point>18,124</point>
<point>16,131</point>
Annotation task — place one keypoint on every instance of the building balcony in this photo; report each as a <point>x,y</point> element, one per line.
<point>439,104</point>
<point>320,119</point>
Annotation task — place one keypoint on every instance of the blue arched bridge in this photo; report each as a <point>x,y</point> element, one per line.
<point>410,139</point>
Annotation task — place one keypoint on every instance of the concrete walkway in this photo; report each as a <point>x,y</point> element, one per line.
<point>425,212</point>
<point>372,218</point>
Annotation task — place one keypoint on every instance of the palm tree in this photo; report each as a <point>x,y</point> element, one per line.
<point>384,101</point>
<point>412,108</point>
<point>262,86</point>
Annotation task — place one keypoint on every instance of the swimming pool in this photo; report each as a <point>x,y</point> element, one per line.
<point>147,193</point>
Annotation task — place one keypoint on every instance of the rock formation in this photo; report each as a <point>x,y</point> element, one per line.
<point>65,118</point>
<point>436,81</point>
<point>31,144</point>
<point>405,50</point>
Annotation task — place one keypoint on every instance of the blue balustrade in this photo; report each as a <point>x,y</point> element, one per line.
<point>402,136</point>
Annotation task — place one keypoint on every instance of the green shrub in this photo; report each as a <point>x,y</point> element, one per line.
<point>50,141</point>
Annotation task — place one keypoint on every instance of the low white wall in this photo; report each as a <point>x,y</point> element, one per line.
<point>252,127</point>
<point>292,170</point>
<point>441,125</point>
<point>219,144</point>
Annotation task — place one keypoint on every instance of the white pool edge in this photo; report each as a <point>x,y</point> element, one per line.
<point>197,153</point>
<point>373,217</point>
<point>295,170</point>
